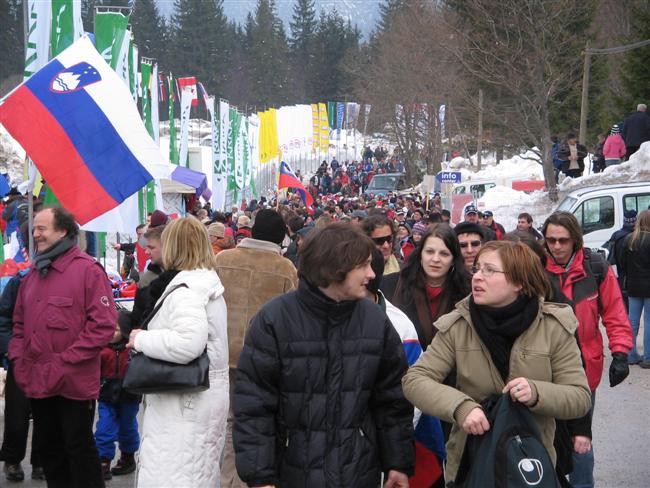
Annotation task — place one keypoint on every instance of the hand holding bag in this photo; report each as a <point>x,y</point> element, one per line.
<point>148,375</point>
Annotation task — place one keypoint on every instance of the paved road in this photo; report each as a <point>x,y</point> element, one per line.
<point>621,436</point>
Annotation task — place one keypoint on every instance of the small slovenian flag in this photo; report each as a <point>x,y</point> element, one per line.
<point>289,180</point>
<point>76,120</point>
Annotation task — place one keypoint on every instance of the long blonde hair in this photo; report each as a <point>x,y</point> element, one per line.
<point>641,227</point>
<point>186,246</point>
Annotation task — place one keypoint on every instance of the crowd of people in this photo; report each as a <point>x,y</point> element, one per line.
<point>355,343</point>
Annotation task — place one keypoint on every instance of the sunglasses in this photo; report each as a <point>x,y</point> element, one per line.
<point>464,244</point>
<point>381,240</point>
<point>561,240</point>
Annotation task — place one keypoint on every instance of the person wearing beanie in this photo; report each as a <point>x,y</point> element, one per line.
<point>158,218</point>
<point>252,274</point>
<point>614,148</point>
<point>616,245</point>
<point>218,238</point>
<point>470,238</point>
<point>418,231</point>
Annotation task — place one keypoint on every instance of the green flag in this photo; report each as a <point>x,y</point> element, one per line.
<point>145,71</point>
<point>67,26</point>
<point>173,148</point>
<point>110,29</point>
<point>233,138</point>
<point>331,115</point>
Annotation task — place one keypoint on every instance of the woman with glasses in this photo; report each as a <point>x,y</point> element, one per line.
<point>432,281</point>
<point>503,338</point>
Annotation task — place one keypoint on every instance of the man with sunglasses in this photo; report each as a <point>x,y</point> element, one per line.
<point>586,279</point>
<point>381,230</point>
<point>470,238</point>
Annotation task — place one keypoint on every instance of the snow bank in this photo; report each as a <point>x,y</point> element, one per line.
<point>12,157</point>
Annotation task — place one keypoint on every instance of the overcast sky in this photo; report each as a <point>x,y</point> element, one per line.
<point>364,13</point>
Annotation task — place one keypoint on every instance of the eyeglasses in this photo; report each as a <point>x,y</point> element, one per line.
<point>381,240</point>
<point>554,240</point>
<point>487,271</point>
<point>464,244</point>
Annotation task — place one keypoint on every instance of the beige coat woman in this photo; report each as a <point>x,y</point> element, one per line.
<point>546,354</point>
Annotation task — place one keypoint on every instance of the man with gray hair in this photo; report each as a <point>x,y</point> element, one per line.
<point>636,130</point>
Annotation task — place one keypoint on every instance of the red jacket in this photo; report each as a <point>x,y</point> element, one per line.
<point>581,287</point>
<point>61,323</point>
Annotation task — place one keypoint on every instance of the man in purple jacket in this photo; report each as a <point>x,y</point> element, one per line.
<point>64,314</point>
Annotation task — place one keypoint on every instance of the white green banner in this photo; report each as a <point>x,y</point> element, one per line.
<point>186,105</point>
<point>39,15</point>
<point>110,31</point>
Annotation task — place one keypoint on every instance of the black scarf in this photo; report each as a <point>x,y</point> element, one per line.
<point>498,328</point>
<point>43,260</point>
<point>156,289</point>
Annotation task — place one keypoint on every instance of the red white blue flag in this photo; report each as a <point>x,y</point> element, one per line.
<point>288,179</point>
<point>77,121</point>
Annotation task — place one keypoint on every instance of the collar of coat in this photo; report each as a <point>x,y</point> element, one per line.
<point>250,243</point>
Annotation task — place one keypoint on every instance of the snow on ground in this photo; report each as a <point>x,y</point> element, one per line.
<point>12,157</point>
<point>507,203</point>
<point>523,166</point>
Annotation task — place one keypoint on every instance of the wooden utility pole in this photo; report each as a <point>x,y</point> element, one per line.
<point>584,103</point>
<point>479,140</point>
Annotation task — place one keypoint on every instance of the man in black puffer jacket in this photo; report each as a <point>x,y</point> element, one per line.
<point>318,399</point>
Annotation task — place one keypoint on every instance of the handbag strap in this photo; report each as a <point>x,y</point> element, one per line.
<point>146,321</point>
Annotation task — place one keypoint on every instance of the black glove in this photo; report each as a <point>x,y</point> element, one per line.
<point>619,368</point>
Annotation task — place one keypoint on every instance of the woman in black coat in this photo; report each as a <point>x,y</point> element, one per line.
<point>636,263</point>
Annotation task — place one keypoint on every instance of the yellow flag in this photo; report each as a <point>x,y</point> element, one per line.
<point>315,126</point>
<point>324,128</point>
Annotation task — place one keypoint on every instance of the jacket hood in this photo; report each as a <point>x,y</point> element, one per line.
<point>203,281</point>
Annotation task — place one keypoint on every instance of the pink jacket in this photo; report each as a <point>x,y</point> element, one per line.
<point>614,147</point>
<point>61,323</point>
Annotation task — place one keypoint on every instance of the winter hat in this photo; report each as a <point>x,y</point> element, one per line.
<point>419,228</point>
<point>158,218</point>
<point>243,221</point>
<point>615,129</point>
<point>629,217</point>
<point>217,230</point>
<point>469,228</point>
<point>470,209</point>
<point>487,213</point>
<point>269,226</point>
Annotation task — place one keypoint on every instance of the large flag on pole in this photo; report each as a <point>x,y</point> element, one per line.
<point>89,143</point>
<point>186,106</point>
<point>67,25</point>
<point>173,151</point>
<point>288,179</point>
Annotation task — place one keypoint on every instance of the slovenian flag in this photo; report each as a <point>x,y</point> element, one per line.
<point>289,180</point>
<point>77,120</point>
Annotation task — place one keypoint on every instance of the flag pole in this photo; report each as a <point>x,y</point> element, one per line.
<point>30,201</point>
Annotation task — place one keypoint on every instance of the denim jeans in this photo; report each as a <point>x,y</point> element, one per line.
<point>582,475</point>
<point>612,162</point>
<point>637,305</point>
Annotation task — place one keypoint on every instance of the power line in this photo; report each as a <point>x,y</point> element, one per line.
<point>619,49</point>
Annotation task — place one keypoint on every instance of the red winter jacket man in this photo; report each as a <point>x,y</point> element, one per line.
<point>577,275</point>
<point>63,317</point>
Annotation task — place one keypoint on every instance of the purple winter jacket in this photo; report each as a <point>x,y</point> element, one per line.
<point>61,323</point>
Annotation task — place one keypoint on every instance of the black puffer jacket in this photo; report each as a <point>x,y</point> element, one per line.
<point>318,399</point>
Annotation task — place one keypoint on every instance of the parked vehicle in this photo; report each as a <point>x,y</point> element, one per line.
<point>599,209</point>
<point>381,184</point>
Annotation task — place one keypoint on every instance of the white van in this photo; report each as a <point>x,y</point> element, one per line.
<point>599,209</point>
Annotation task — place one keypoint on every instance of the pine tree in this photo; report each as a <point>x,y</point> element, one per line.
<point>150,31</point>
<point>302,44</point>
<point>267,55</point>
<point>11,38</point>
<point>387,11</point>
<point>198,42</point>
<point>636,65</point>
<point>335,38</point>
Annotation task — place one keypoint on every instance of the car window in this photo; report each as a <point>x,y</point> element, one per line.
<point>459,190</point>
<point>566,204</point>
<point>638,202</point>
<point>596,214</point>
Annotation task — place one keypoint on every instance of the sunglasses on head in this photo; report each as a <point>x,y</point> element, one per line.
<point>467,243</point>
<point>561,240</point>
<point>381,240</point>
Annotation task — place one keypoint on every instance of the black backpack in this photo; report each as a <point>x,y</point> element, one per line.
<point>511,454</point>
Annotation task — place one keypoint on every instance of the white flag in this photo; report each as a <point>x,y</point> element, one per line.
<point>186,105</point>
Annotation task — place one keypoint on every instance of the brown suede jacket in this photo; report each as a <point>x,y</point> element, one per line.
<point>252,274</point>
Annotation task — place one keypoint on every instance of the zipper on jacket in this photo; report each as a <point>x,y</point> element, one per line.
<point>117,363</point>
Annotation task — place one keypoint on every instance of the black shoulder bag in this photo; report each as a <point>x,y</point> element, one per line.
<point>148,375</point>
